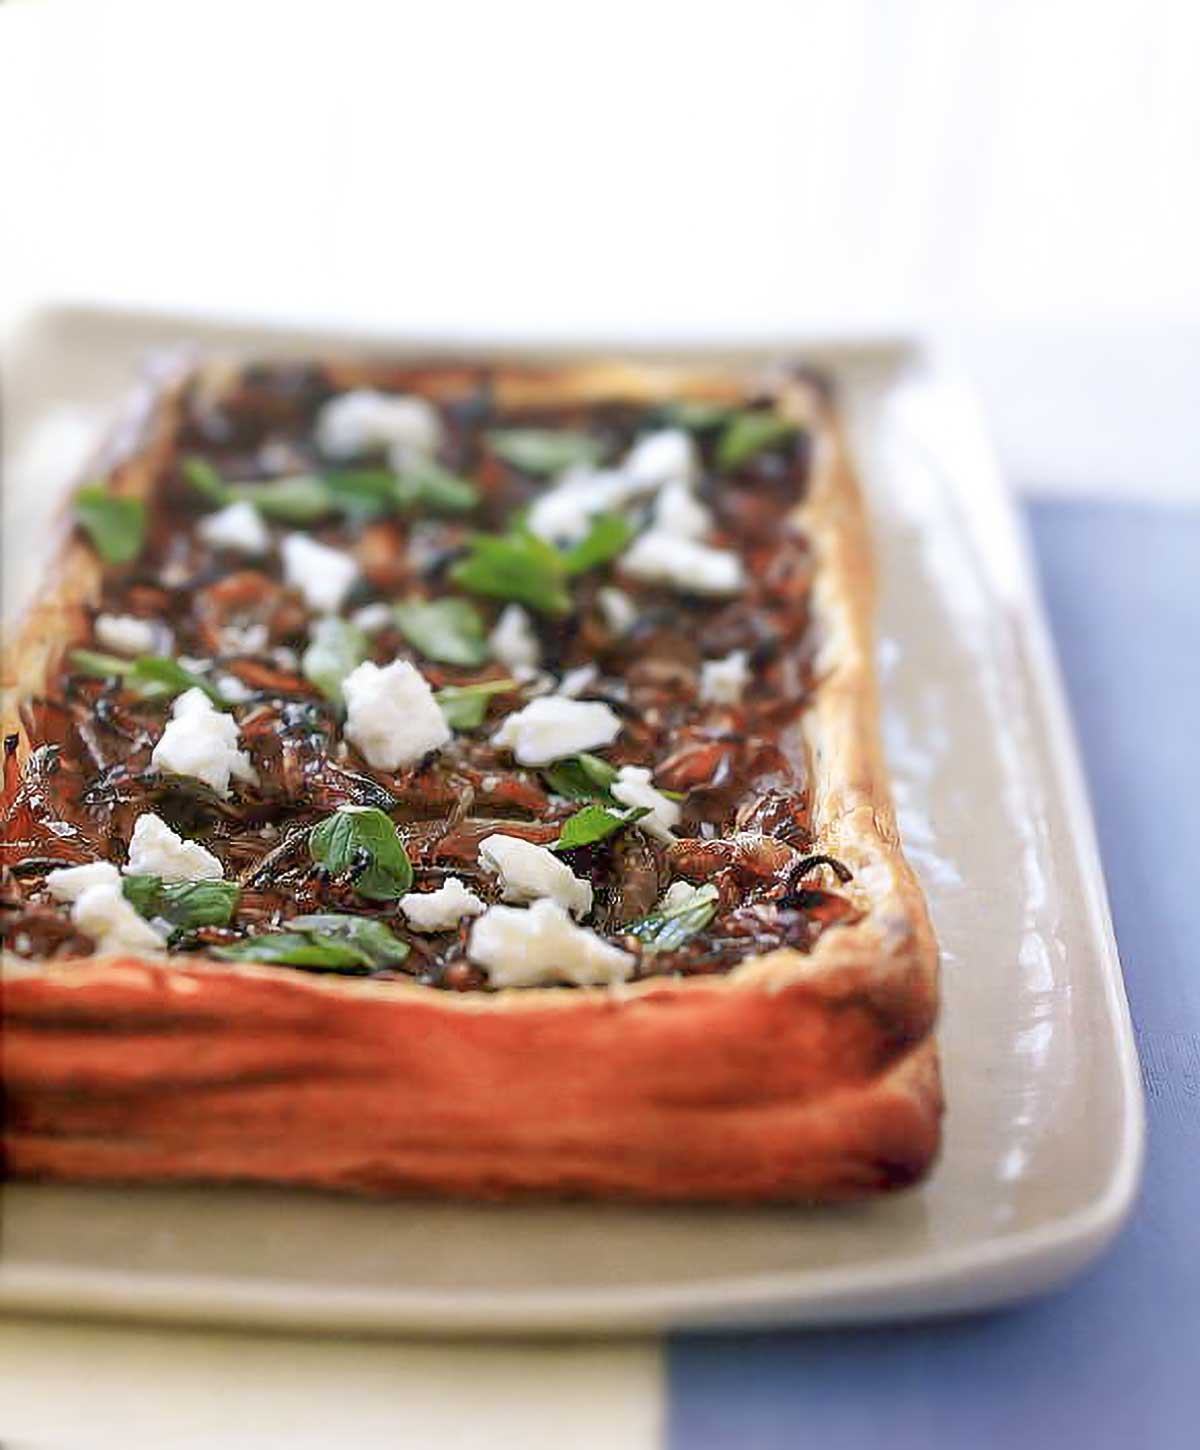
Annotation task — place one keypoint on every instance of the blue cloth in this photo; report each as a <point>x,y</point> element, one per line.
<point>1112,1362</point>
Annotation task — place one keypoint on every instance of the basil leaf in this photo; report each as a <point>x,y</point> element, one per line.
<point>748,433</point>
<point>544,450</point>
<point>116,526</point>
<point>292,949</point>
<point>666,931</point>
<point>448,630</point>
<point>361,493</point>
<point>206,480</point>
<point>151,676</point>
<point>595,823</point>
<point>375,942</point>
<point>335,647</point>
<point>302,499</point>
<point>185,904</point>
<point>465,706</point>
<point>697,415</point>
<point>516,566</point>
<point>582,777</point>
<point>422,483</point>
<point>363,841</point>
<point>607,536</point>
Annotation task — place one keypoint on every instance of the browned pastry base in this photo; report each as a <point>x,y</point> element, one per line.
<point>792,1077</point>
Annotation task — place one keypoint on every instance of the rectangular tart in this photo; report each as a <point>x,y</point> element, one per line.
<point>464,778</point>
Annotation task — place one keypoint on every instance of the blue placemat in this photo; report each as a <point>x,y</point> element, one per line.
<point>1113,1361</point>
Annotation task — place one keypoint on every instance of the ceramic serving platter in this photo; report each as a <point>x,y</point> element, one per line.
<point>1044,1123</point>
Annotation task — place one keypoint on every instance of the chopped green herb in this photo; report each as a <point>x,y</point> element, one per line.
<point>361,493</point>
<point>748,433</point>
<point>422,483</point>
<point>295,949</point>
<point>301,499</point>
<point>378,945</point>
<point>607,536</point>
<point>666,931</point>
<point>363,841</point>
<point>697,415</point>
<point>595,823</point>
<point>151,676</point>
<point>335,647</point>
<point>185,904</point>
<point>582,777</point>
<point>543,450</point>
<point>116,526</point>
<point>465,706</point>
<point>206,480</point>
<point>516,566</point>
<point>448,630</point>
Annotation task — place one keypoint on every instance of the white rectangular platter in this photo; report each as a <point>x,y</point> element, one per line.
<point>1044,1123</point>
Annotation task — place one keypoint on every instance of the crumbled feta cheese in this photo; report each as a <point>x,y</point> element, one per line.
<point>534,947</point>
<point>528,872</point>
<point>514,640</point>
<point>723,681</point>
<point>195,665</point>
<point>202,742</point>
<point>69,883</point>
<point>243,639</point>
<point>391,715</point>
<point>363,421</point>
<point>232,690</point>
<point>371,618</point>
<point>676,897</point>
<point>125,634</point>
<point>102,913</point>
<point>562,514</point>
<point>239,527</point>
<point>156,850</point>
<point>691,568</point>
<point>550,728</point>
<point>443,909</point>
<point>632,787</point>
<point>323,575</point>
<point>678,511</point>
<point>285,658</point>
<point>619,611</point>
<point>534,682</point>
<point>577,682</point>
<point>668,456</point>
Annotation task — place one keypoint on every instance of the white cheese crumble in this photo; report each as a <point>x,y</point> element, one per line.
<point>534,947</point>
<point>514,641</point>
<point>323,575</point>
<point>239,527</point>
<point>562,514</point>
<point>678,511</point>
<point>443,909</point>
<point>363,421</point>
<point>633,787</point>
<point>125,634</point>
<point>102,913</point>
<point>243,639</point>
<point>156,850</point>
<point>69,883</point>
<point>232,690</point>
<point>677,896</point>
<point>391,714</point>
<point>683,564</point>
<point>668,456</point>
<point>552,727</point>
<point>371,618</point>
<point>578,681</point>
<point>617,608</point>
<point>202,742</point>
<point>724,681</point>
<point>528,873</point>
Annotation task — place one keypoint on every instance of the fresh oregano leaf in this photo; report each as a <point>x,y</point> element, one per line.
<point>448,630</point>
<point>116,526</point>
<point>364,842</point>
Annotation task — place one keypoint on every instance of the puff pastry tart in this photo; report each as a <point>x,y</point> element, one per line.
<point>464,779</point>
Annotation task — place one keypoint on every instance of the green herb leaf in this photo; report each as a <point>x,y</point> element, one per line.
<point>595,823</point>
<point>185,904</point>
<point>152,676</point>
<point>422,483</point>
<point>666,931</point>
<point>361,493</point>
<point>544,450</point>
<point>582,777</point>
<point>448,630</point>
<point>302,499</point>
<point>606,537</point>
<point>516,566</point>
<point>363,841</point>
<point>206,480</point>
<point>697,415</point>
<point>465,706</point>
<point>335,647</point>
<point>293,949</point>
<point>748,433</point>
<point>116,526</point>
<point>377,944</point>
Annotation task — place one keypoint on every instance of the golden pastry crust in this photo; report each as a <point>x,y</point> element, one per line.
<point>796,1076</point>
